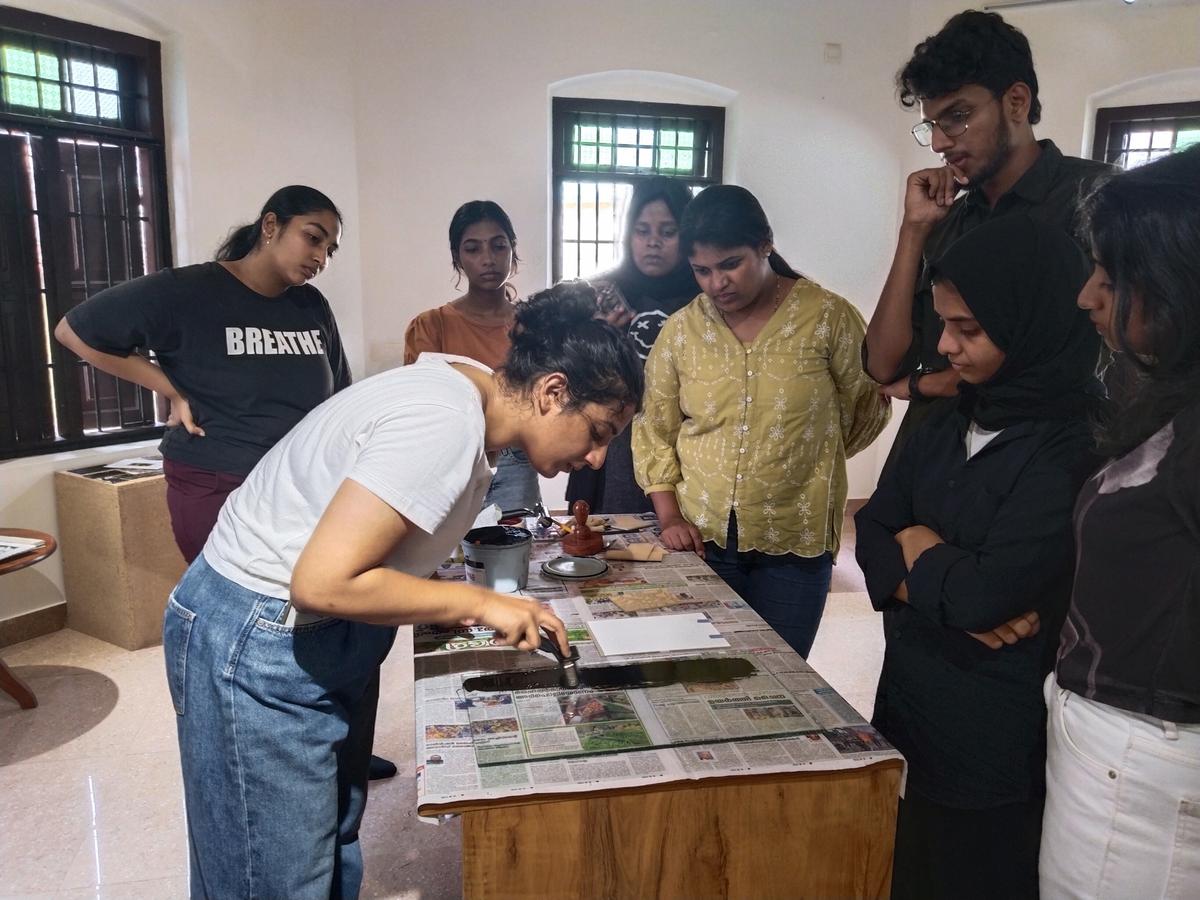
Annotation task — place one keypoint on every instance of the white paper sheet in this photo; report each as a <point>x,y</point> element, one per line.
<point>655,634</point>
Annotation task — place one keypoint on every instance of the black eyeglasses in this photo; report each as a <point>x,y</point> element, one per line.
<point>952,124</point>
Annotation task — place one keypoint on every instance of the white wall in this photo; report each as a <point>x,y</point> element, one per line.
<point>402,110</point>
<point>457,107</point>
<point>1178,86</point>
<point>1093,50</point>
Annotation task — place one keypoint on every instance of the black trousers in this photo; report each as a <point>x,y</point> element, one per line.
<point>966,853</point>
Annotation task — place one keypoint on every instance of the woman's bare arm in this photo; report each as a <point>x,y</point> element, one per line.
<point>341,573</point>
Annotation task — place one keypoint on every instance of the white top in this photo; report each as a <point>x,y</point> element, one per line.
<point>412,436</point>
<point>977,438</point>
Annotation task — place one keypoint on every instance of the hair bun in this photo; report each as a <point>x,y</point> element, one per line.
<point>558,330</point>
<point>554,313</point>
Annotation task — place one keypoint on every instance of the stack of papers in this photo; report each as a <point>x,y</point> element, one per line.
<point>138,464</point>
<point>18,546</point>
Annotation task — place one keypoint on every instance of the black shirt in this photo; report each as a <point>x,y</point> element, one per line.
<point>612,488</point>
<point>970,720</point>
<point>1132,638</point>
<point>250,366</point>
<point>1049,191</point>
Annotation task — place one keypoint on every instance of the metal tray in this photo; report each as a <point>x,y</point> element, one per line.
<point>574,568</point>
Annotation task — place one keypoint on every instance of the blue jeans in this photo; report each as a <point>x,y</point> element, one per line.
<point>275,728</point>
<point>788,591</point>
<point>515,484</point>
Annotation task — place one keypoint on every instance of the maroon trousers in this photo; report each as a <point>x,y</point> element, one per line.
<point>194,498</point>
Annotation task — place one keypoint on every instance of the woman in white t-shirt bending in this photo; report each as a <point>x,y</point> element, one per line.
<point>274,635</point>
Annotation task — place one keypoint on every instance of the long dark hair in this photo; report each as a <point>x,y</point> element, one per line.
<point>472,213</point>
<point>557,331</point>
<point>1144,226</point>
<point>973,47</point>
<point>726,215</point>
<point>287,203</point>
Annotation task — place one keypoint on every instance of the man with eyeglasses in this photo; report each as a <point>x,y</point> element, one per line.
<point>978,95</point>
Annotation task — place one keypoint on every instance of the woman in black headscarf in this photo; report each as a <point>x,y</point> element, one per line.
<point>652,281</point>
<point>967,550</point>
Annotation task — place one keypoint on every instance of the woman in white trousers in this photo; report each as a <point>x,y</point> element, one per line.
<point>1122,816</point>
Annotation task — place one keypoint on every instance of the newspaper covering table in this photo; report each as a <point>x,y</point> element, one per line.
<point>720,732</point>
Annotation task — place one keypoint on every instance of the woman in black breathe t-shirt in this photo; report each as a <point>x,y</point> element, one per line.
<point>245,347</point>
<point>1123,757</point>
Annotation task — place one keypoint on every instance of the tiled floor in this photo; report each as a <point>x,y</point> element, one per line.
<point>91,803</point>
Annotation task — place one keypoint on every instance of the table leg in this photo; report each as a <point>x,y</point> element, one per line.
<point>16,688</point>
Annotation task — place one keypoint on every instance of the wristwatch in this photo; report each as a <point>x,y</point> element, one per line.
<point>914,389</point>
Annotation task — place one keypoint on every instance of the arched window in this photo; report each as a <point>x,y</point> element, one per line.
<point>601,149</point>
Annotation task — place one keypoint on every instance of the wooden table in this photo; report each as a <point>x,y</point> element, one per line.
<point>10,683</point>
<point>803,831</point>
<point>813,834</point>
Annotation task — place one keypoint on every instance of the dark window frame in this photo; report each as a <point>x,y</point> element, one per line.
<point>1114,122</point>
<point>567,112</point>
<point>54,143</point>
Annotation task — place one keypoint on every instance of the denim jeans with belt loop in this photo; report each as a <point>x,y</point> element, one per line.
<point>515,484</point>
<point>276,716</point>
<point>787,590</point>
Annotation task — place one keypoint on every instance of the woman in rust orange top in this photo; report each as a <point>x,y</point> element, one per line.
<point>483,248</point>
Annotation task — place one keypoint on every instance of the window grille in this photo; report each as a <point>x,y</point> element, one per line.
<point>1128,136</point>
<point>82,207</point>
<point>601,150</point>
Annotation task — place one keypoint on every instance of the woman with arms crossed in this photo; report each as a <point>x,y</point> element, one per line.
<point>966,550</point>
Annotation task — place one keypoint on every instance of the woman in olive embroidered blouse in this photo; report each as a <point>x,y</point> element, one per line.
<point>755,397</point>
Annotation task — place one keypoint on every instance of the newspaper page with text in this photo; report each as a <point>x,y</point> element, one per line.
<point>473,746</point>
